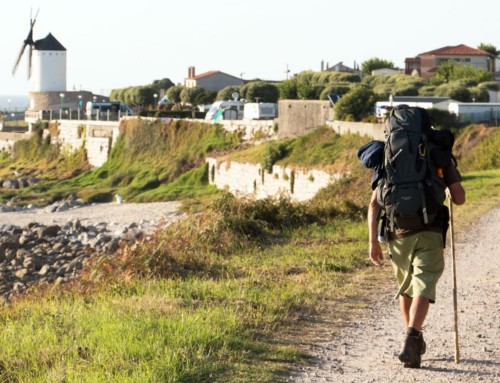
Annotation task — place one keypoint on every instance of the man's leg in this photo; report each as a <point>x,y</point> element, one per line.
<point>404,306</point>
<point>418,311</point>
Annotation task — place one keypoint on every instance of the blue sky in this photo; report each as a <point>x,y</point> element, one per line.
<point>114,44</point>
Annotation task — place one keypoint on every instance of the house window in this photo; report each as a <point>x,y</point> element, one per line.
<point>467,60</point>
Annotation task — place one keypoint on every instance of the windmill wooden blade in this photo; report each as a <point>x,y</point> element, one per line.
<point>19,58</point>
<point>29,61</point>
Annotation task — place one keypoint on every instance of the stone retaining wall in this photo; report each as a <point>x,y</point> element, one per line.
<point>250,179</point>
<point>97,136</point>
<point>8,139</point>
<point>374,131</point>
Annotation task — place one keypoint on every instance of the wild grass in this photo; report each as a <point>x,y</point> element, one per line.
<point>322,148</point>
<point>150,161</point>
<point>199,301</point>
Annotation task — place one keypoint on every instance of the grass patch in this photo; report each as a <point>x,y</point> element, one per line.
<point>322,149</point>
<point>200,301</point>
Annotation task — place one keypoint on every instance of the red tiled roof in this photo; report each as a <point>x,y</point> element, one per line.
<point>456,50</point>
<point>209,73</point>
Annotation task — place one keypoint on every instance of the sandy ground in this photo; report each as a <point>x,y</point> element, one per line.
<point>365,350</point>
<point>148,215</point>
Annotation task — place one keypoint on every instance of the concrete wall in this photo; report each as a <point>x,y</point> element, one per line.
<point>244,179</point>
<point>374,131</point>
<point>299,117</point>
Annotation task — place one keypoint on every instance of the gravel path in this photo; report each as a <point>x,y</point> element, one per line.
<point>148,215</point>
<point>366,349</point>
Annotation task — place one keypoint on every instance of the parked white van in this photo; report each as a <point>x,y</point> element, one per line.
<point>226,110</point>
<point>260,111</point>
<point>106,110</point>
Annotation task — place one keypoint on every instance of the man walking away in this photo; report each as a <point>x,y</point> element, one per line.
<point>412,175</point>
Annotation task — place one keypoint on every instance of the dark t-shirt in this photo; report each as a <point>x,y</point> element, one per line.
<point>451,175</point>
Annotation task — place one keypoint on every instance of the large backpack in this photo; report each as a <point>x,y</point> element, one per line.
<point>412,190</point>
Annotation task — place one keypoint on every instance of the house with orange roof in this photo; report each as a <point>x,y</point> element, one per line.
<point>214,80</point>
<point>426,64</point>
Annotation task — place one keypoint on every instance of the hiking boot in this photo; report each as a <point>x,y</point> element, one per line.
<point>413,348</point>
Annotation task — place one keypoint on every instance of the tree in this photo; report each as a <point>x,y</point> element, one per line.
<point>262,91</point>
<point>226,93</point>
<point>491,49</point>
<point>174,93</point>
<point>288,90</point>
<point>162,85</point>
<point>188,95</point>
<point>375,63</point>
<point>450,71</point>
<point>205,97</point>
<point>359,103</point>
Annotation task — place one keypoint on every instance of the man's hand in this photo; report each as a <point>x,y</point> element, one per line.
<point>376,254</point>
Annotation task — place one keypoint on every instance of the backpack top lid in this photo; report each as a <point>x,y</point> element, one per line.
<point>371,156</point>
<point>410,117</point>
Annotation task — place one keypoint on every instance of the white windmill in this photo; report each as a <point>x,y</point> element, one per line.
<point>46,62</point>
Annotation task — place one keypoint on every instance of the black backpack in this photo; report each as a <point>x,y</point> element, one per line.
<point>412,190</point>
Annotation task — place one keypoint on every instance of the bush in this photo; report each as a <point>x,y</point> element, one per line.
<point>335,89</point>
<point>274,153</point>
<point>457,91</point>
<point>358,102</point>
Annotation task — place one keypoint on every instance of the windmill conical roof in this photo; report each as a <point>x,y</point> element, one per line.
<point>49,43</point>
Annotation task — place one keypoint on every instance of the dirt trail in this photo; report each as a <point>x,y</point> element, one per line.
<point>366,349</point>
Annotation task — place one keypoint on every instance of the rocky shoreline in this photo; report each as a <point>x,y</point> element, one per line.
<point>44,252</point>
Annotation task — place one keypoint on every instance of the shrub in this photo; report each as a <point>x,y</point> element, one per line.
<point>358,102</point>
<point>274,153</point>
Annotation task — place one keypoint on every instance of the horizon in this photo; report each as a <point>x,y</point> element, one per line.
<point>249,40</point>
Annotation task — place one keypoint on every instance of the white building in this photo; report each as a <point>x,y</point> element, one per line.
<point>48,66</point>
<point>381,107</point>
<point>213,80</point>
<point>476,112</point>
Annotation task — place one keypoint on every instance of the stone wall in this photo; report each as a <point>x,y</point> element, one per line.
<point>97,136</point>
<point>299,117</point>
<point>244,179</point>
<point>374,131</point>
<point>8,139</point>
<point>53,100</point>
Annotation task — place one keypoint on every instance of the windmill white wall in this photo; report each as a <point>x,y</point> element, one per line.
<point>48,69</point>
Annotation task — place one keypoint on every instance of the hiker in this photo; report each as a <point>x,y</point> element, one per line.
<point>417,253</point>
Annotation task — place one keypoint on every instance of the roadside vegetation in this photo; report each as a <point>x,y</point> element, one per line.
<point>150,161</point>
<point>215,297</point>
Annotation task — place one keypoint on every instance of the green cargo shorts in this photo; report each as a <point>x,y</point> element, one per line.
<point>418,263</point>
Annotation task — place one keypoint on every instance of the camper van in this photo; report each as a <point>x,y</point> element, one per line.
<point>225,110</point>
<point>260,111</point>
<point>107,110</point>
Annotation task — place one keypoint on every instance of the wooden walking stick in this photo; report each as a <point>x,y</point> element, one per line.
<point>454,275</point>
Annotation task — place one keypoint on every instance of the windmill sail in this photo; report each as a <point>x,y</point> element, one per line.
<point>27,42</point>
